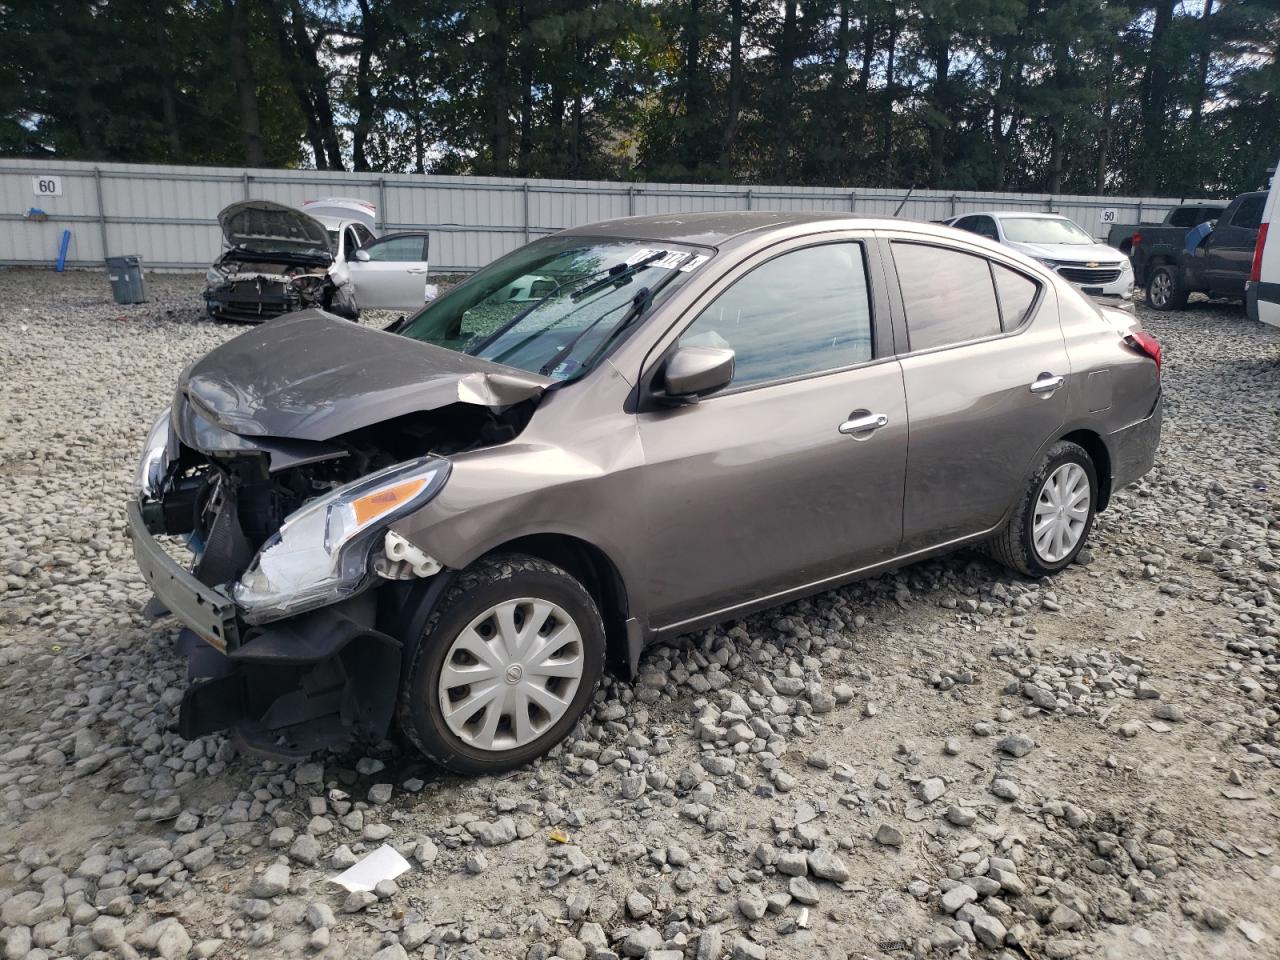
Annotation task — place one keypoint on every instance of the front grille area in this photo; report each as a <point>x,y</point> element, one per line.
<point>1090,275</point>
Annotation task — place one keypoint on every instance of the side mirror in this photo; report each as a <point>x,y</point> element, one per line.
<point>694,372</point>
<point>362,255</point>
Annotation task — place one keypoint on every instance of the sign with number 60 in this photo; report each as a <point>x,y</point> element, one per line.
<point>47,186</point>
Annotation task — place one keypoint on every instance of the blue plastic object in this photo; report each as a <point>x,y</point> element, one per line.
<point>62,251</point>
<point>1195,236</point>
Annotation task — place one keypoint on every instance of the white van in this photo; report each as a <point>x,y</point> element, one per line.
<point>1262,292</point>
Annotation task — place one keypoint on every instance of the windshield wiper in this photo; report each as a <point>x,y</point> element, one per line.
<point>618,269</point>
<point>619,273</point>
<point>639,304</point>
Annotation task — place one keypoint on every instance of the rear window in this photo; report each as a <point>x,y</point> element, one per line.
<point>948,295</point>
<point>1192,216</point>
<point>1249,214</point>
<point>1017,294</point>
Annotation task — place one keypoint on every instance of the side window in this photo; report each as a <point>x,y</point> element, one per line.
<point>985,227</point>
<point>966,223</point>
<point>1017,294</point>
<point>800,313</point>
<point>1249,214</point>
<point>363,234</point>
<point>397,249</point>
<point>948,295</point>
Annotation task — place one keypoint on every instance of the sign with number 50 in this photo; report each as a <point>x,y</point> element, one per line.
<point>47,186</point>
<point>1110,215</point>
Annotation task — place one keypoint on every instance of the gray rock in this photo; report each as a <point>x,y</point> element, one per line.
<point>1005,789</point>
<point>958,896</point>
<point>318,914</point>
<point>358,900</point>
<point>931,789</point>
<point>1016,745</point>
<point>638,905</point>
<point>989,931</point>
<point>744,949</point>
<point>272,882</point>
<point>827,866</point>
<point>803,891</point>
<point>889,836</point>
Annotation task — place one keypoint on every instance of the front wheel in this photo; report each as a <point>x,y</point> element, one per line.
<point>507,663</point>
<point>1054,516</point>
<point>1164,290</point>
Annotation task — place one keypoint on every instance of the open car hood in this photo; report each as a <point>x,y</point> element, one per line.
<point>248,221</point>
<point>312,376</point>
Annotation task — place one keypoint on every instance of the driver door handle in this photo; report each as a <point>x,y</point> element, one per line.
<point>1047,383</point>
<point>864,424</point>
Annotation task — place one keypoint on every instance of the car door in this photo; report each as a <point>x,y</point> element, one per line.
<point>793,473</point>
<point>1228,251</point>
<point>986,375</point>
<point>394,275</point>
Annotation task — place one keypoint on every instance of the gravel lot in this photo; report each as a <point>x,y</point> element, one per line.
<point>947,761</point>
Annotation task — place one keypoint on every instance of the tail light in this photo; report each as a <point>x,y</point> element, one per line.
<point>1145,344</point>
<point>1136,238</point>
<point>1256,273</point>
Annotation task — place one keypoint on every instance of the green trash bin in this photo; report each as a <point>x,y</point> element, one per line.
<point>126,279</point>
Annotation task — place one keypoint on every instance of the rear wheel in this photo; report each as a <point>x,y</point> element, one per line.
<point>1054,517</point>
<point>507,664</point>
<point>1164,291</point>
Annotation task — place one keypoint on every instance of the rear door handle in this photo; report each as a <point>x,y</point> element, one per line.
<point>1047,383</point>
<point>865,423</point>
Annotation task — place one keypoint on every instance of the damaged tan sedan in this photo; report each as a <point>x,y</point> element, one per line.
<point>615,435</point>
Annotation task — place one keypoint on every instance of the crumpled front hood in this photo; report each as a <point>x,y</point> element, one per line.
<point>312,376</point>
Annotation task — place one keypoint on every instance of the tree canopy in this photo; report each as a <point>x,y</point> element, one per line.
<point>1080,96</point>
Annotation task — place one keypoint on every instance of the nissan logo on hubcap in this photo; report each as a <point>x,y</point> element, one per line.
<point>514,673</point>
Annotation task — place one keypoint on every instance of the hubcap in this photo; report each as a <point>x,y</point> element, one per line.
<point>511,675</point>
<point>1061,512</point>
<point>1159,289</point>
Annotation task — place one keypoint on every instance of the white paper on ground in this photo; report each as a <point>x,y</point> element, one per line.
<point>383,864</point>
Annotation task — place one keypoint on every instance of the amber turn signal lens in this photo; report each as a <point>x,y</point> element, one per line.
<point>373,505</point>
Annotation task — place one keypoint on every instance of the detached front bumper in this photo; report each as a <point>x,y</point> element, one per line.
<point>284,689</point>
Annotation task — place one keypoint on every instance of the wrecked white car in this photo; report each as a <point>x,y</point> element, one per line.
<point>279,260</point>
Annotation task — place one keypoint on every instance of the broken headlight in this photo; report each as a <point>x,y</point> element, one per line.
<point>321,553</point>
<point>155,459</point>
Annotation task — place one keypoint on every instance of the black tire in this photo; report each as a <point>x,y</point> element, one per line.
<point>490,581</point>
<point>1164,289</point>
<point>1014,545</point>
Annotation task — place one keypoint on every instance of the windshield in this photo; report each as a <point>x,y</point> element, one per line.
<point>553,306</point>
<point>1043,230</point>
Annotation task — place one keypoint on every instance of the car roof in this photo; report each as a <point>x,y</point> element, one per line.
<point>1021,214</point>
<point>723,227</point>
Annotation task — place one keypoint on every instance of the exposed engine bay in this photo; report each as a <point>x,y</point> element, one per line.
<point>231,504</point>
<point>250,288</point>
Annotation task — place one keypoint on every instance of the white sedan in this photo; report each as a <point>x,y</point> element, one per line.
<point>1098,270</point>
<point>279,259</point>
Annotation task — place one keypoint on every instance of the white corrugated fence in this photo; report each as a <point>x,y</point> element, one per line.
<point>168,214</point>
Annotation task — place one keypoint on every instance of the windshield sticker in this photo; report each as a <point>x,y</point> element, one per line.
<point>668,259</point>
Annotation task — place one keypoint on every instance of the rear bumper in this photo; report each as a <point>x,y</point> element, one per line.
<point>1133,448</point>
<point>1251,301</point>
<point>283,690</point>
